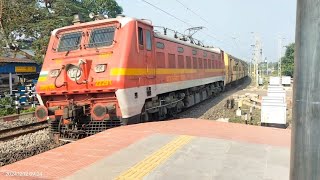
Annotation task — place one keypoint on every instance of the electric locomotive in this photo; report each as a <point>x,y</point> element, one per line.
<point>118,71</point>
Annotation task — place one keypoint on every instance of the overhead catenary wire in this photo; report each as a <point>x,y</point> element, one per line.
<point>196,15</point>
<point>175,17</point>
<point>199,16</point>
<point>192,11</point>
<point>167,13</point>
<point>190,25</point>
<point>203,19</point>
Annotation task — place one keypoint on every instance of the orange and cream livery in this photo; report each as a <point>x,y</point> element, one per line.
<point>120,71</point>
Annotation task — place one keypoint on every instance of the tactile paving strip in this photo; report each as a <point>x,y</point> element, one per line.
<point>145,166</point>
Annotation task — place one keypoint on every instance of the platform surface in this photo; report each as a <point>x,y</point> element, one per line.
<point>177,149</point>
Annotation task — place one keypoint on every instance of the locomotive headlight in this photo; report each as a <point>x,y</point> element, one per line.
<point>54,72</point>
<point>100,68</point>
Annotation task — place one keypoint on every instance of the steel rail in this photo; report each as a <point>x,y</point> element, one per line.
<point>10,133</point>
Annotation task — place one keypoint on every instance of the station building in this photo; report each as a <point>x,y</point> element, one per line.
<point>20,70</point>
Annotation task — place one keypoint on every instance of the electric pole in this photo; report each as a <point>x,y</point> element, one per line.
<point>257,51</point>
<point>251,60</point>
<point>280,49</point>
<point>280,53</point>
<point>305,151</point>
<point>250,71</point>
<point>260,60</point>
<point>266,61</point>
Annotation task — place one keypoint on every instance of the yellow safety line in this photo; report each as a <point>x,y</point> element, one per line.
<point>144,167</point>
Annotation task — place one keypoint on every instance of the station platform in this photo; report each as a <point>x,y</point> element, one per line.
<point>176,149</point>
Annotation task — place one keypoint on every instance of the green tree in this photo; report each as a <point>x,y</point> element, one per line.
<point>15,16</point>
<point>35,19</point>
<point>105,7</point>
<point>287,62</point>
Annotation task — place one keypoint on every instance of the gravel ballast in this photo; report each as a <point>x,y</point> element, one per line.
<point>25,146</point>
<point>16,123</point>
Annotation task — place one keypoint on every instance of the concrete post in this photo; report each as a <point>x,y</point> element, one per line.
<point>305,146</point>
<point>10,83</point>
<point>23,80</point>
<point>267,69</point>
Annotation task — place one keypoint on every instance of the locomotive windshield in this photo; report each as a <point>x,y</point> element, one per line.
<point>101,37</point>
<point>70,41</point>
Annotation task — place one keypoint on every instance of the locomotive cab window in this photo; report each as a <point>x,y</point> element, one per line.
<point>101,37</point>
<point>140,36</point>
<point>149,41</point>
<point>69,41</point>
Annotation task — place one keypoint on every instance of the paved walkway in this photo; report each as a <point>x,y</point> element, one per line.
<point>176,149</point>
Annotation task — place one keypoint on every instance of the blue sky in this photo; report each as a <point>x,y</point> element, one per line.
<point>229,23</point>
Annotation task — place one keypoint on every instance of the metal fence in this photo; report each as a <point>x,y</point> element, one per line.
<point>22,98</point>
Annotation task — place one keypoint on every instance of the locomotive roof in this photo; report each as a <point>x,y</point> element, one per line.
<point>215,50</point>
<point>235,58</point>
<point>122,19</point>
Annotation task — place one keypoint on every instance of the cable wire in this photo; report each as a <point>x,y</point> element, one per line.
<point>189,9</point>
<point>167,13</point>
<point>178,19</point>
<point>192,11</point>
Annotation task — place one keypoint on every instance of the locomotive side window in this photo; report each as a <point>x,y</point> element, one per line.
<point>149,42</point>
<point>101,37</point>
<point>140,35</point>
<point>160,45</point>
<point>180,49</point>
<point>70,41</point>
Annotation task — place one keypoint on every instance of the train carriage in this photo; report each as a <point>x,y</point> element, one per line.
<point>235,69</point>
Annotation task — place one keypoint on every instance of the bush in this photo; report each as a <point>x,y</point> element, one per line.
<point>4,111</point>
<point>32,109</point>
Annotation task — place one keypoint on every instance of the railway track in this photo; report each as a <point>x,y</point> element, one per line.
<point>11,133</point>
<point>16,116</point>
<point>201,108</point>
